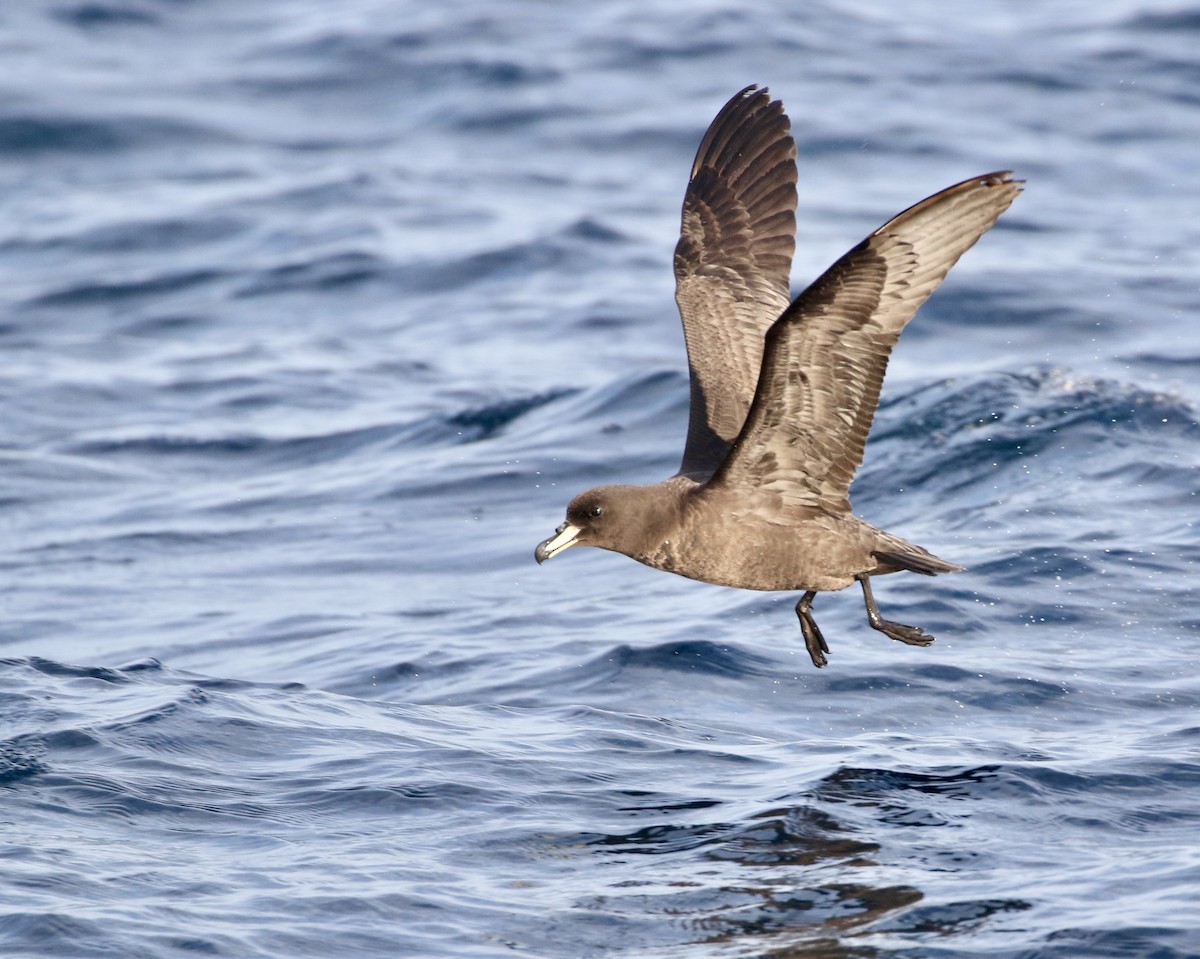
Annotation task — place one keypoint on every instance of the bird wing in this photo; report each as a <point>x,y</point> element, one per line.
<point>732,264</point>
<point>825,357</point>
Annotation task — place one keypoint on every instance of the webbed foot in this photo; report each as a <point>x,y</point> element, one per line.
<point>814,642</point>
<point>897,631</point>
<point>904,634</point>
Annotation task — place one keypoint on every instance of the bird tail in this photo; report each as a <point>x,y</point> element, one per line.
<point>918,561</point>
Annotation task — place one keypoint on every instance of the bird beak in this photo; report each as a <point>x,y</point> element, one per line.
<point>564,537</point>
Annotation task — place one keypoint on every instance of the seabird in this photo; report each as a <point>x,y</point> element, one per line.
<point>783,391</point>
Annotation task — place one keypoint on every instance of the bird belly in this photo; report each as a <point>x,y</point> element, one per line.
<point>820,553</point>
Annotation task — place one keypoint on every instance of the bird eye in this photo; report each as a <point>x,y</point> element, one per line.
<point>595,511</point>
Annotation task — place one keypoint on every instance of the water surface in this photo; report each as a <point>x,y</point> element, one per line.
<point>313,320</point>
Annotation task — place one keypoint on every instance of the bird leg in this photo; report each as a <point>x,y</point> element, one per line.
<point>813,640</point>
<point>898,631</point>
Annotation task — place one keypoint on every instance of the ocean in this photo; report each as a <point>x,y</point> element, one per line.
<point>315,316</point>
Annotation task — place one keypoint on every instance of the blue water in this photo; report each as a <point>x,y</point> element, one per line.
<point>314,316</point>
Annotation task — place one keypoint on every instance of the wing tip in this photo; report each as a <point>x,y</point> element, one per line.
<point>996,190</point>
<point>999,178</point>
<point>753,91</point>
<point>750,104</point>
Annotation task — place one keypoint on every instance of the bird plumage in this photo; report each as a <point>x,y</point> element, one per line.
<point>783,392</point>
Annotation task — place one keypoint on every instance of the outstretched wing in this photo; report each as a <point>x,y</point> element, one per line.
<point>825,357</point>
<point>732,264</point>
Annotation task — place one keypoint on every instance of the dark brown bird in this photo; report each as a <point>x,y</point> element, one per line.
<point>782,394</point>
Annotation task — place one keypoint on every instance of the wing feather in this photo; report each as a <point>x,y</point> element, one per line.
<point>825,358</point>
<point>732,264</point>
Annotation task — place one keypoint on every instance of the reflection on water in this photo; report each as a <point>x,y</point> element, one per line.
<point>792,879</point>
<point>798,879</point>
